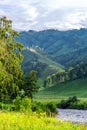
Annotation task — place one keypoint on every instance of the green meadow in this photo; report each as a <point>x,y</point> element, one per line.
<point>63,91</point>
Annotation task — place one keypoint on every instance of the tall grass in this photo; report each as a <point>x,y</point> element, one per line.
<point>21,121</point>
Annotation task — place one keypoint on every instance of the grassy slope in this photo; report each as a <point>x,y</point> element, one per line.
<point>74,88</point>
<point>51,65</point>
<point>37,59</point>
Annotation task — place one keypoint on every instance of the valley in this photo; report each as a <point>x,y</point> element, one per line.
<point>43,65</point>
<point>51,51</point>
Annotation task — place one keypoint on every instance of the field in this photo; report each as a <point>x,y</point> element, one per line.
<point>63,91</point>
<point>21,121</point>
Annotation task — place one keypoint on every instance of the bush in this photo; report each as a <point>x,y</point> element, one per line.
<point>71,102</point>
<point>22,104</point>
<point>26,104</point>
<point>82,105</point>
<point>49,108</point>
<point>38,107</point>
<point>63,104</point>
<point>73,99</point>
<point>5,106</point>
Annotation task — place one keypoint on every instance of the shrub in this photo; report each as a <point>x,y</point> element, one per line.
<point>71,102</point>
<point>73,99</point>
<point>38,107</point>
<point>5,106</point>
<point>49,108</point>
<point>17,103</point>
<point>63,104</point>
<point>22,104</point>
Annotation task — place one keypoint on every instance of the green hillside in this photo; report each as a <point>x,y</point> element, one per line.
<point>65,47</point>
<point>61,91</point>
<point>36,59</point>
<point>51,51</point>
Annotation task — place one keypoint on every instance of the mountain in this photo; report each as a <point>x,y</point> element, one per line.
<point>52,51</point>
<point>36,58</point>
<point>67,48</point>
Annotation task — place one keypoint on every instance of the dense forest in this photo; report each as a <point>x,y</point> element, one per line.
<point>65,47</point>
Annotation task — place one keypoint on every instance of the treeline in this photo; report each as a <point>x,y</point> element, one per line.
<point>78,72</point>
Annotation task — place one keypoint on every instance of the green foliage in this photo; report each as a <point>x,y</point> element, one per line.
<point>22,104</point>
<point>38,107</point>
<point>11,74</point>
<point>30,84</point>
<point>78,72</point>
<point>79,105</point>
<point>49,108</point>
<point>68,103</point>
<point>6,107</point>
<point>72,103</point>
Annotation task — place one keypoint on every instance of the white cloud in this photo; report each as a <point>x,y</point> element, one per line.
<point>75,19</point>
<point>40,14</point>
<point>5,2</point>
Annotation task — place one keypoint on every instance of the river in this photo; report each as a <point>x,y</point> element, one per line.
<point>77,116</point>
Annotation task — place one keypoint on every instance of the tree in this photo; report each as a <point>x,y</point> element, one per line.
<point>30,84</point>
<point>11,74</point>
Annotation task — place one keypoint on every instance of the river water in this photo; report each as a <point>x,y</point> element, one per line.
<point>78,116</point>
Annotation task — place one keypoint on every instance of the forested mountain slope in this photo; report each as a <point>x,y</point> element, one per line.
<point>36,59</point>
<point>65,47</point>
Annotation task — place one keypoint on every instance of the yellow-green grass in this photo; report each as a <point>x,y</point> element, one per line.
<point>63,91</point>
<point>21,121</point>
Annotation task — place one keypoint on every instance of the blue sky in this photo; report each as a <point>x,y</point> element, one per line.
<point>45,14</point>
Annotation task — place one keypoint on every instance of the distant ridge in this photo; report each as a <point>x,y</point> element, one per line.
<point>65,47</point>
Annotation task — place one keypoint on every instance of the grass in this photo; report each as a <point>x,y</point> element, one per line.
<point>63,91</point>
<point>21,121</point>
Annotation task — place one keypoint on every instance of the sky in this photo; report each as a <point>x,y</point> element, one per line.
<point>45,14</point>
